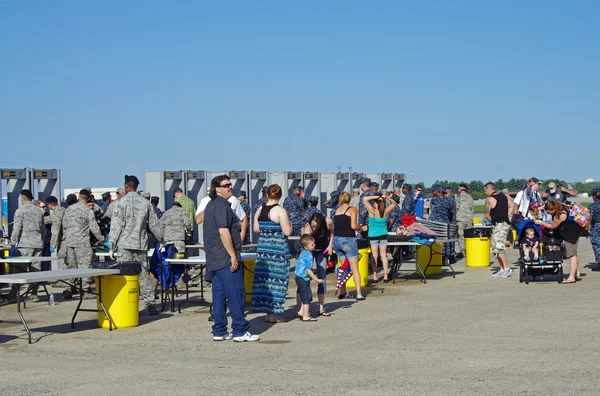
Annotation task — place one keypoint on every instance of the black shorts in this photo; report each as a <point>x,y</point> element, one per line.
<point>304,290</point>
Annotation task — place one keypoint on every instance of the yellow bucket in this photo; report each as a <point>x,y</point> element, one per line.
<point>363,269</point>
<point>476,220</point>
<point>423,255</point>
<point>249,278</point>
<point>478,252</point>
<point>120,296</point>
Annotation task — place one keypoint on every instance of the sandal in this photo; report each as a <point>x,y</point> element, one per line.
<point>568,281</point>
<point>324,313</point>
<point>342,296</point>
<point>309,320</point>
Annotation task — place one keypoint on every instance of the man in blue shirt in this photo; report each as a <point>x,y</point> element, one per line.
<point>419,201</point>
<point>222,245</point>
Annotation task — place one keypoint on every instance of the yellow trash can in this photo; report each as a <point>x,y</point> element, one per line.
<point>120,297</point>
<point>364,250</point>
<point>423,255</point>
<point>477,243</point>
<point>249,278</point>
<point>476,220</point>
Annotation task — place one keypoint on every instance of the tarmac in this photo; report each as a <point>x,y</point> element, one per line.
<point>469,335</point>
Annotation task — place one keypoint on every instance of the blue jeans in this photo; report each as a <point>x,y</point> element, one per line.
<point>321,260</point>
<point>228,290</point>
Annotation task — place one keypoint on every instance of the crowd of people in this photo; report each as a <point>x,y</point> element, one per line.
<point>132,224</point>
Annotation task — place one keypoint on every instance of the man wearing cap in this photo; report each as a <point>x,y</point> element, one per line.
<point>243,198</point>
<point>526,197</point>
<point>558,192</point>
<point>105,202</point>
<point>262,200</point>
<point>363,215</point>
<point>129,235</point>
<point>186,203</point>
<point>311,208</point>
<point>375,187</point>
<point>464,215</point>
<point>354,201</point>
<point>154,200</point>
<point>78,221</point>
<point>294,206</point>
<point>57,241</point>
<point>28,237</point>
<point>111,208</point>
<point>332,203</point>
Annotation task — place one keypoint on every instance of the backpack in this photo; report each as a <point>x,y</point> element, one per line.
<point>579,214</point>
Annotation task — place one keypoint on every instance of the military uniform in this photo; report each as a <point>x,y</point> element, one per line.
<point>129,236</point>
<point>176,224</point>
<point>363,215</point>
<point>28,235</point>
<point>57,241</point>
<point>294,206</point>
<point>259,204</point>
<point>464,218</point>
<point>159,213</point>
<point>396,214</point>
<point>595,229</point>
<point>355,201</point>
<point>187,204</point>
<point>77,223</point>
<point>441,209</point>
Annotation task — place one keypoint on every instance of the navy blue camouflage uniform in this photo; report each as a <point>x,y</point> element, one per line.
<point>261,201</point>
<point>443,209</point>
<point>246,207</point>
<point>294,206</point>
<point>595,228</point>
<point>314,201</point>
<point>333,204</point>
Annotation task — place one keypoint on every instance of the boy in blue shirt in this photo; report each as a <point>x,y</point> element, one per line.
<point>304,274</point>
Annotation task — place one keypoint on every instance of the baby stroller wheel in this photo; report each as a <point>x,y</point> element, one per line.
<point>560,273</point>
<point>521,274</point>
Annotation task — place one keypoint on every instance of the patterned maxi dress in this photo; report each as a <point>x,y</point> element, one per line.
<point>272,266</point>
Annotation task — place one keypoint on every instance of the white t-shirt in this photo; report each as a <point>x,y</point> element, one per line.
<point>235,206</point>
<point>525,198</point>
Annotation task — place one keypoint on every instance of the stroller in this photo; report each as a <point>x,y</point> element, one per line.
<point>549,256</point>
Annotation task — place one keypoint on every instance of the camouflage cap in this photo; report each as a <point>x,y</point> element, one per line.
<point>396,198</point>
<point>106,195</point>
<point>407,186</point>
<point>146,194</point>
<point>121,191</point>
<point>313,200</point>
<point>265,189</point>
<point>334,194</point>
<point>374,184</point>
<point>365,180</point>
<point>596,190</point>
<point>242,193</point>
<point>299,188</point>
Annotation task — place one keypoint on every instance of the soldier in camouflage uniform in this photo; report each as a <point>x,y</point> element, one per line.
<point>294,206</point>
<point>442,209</point>
<point>27,237</point>
<point>311,209</point>
<point>129,235</point>
<point>111,207</point>
<point>154,201</point>
<point>261,201</point>
<point>363,215</point>
<point>243,198</point>
<point>57,241</point>
<point>374,187</point>
<point>396,214</point>
<point>78,221</point>
<point>595,226</point>
<point>354,201</point>
<point>464,215</point>
<point>186,203</point>
<point>332,203</point>
<point>176,225</point>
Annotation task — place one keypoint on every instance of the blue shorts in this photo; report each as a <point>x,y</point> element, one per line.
<point>304,290</point>
<point>345,247</point>
<point>379,240</point>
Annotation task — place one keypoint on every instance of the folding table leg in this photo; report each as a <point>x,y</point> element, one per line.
<point>21,315</point>
<point>417,265</point>
<point>80,301</point>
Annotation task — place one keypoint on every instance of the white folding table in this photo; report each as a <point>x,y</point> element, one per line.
<point>38,277</point>
<point>196,260</point>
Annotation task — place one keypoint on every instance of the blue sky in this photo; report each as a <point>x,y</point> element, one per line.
<point>455,90</point>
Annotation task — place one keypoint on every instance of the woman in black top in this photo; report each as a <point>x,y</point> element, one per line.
<point>321,229</point>
<point>570,233</point>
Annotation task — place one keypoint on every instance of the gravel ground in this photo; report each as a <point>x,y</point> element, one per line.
<point>469,335</point>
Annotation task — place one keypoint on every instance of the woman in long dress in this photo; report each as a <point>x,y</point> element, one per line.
<point>272,266</point>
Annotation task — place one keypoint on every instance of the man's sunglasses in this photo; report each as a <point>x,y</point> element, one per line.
<point>225,185</point>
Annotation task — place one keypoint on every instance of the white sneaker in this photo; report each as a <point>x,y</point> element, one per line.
<point>225,337</point>
<point>498,274</point>
<point>247,337</point>
<point>506,273</point>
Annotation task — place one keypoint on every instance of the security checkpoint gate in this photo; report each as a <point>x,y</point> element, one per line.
<point>196,189</point>
<point>16,180</point>
<point>258,180</point>
<point>356,179</point>
<point>312,185</point>
<point>399,179</point>
<point>46,182</point>
<point>163,185</point>
<point>387,181</point>
<point>239,181</point>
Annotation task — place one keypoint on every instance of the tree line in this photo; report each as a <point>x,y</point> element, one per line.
<point>514,186</point>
